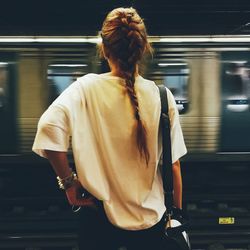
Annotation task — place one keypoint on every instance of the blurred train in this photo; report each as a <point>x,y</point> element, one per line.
<point>209,77</point>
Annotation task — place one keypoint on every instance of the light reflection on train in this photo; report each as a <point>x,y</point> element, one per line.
<point>211,86</point>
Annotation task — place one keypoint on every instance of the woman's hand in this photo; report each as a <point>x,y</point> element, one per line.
<point>60,164</point>
<point>75,196</point>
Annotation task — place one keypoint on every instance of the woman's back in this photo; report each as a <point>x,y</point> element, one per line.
<point>113,119</point>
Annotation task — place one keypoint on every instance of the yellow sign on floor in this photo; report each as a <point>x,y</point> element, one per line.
<point>226,220</point>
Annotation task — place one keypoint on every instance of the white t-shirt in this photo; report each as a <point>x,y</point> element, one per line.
<point>97,112</point>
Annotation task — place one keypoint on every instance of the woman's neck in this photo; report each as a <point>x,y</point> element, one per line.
<point>115,71</point>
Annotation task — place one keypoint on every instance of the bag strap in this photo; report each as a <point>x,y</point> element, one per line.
<point>167,171</point>
<point>167,174</point>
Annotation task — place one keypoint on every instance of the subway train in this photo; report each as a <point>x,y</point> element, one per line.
<point>209,77</point>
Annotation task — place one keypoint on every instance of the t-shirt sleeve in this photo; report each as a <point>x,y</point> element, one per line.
<point>177,141</point>
<point>53,131</point>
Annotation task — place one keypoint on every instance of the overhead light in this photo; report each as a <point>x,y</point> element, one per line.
<point>96,39</point>
<point>184,39</point>
<point>218,39</point>
<point>49,39</point>
<point>16,39</point>
<point>68,65</point>
<point>236,62</point>
<point>171,64</point>
<point>68,40</point>
<point>237,108</point>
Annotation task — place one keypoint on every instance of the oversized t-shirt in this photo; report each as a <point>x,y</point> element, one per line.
<point>97,113</point>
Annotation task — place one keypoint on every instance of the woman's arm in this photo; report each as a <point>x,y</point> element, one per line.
<point>177,179</point>
<point>60,164</point>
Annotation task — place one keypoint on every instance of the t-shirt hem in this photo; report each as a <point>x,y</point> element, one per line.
<point>144,226</point>
<point>177,157</point>
<point>41,151</point>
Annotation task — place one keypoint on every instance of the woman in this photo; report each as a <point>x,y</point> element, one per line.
<point>113,119</point>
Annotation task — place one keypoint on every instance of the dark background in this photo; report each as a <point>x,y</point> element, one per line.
<point>85,17</point>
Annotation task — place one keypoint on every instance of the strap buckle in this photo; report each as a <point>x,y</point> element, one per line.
<point>168,219</point>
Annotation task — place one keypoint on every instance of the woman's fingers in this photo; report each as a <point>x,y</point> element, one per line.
<point>87,202</point>
<point>77,199</point>
<point>76,196</point>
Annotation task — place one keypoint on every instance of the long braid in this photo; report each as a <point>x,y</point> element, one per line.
<point>125,41</point>
<point>141,135</point>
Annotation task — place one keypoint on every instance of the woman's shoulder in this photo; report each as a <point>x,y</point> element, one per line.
<point>88,77</point>
<point>145,84</point>
<point>93,79</point>
<point>146,81</point>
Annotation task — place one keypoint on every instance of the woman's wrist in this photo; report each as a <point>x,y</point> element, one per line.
<point>68,181</point>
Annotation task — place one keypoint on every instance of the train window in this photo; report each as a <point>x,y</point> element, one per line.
<point>236,85</point>
<point>3,84</point>
<point>235,120</point>
<point>61,75</point>
<point>8,116</point>
<point>173,75</point>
